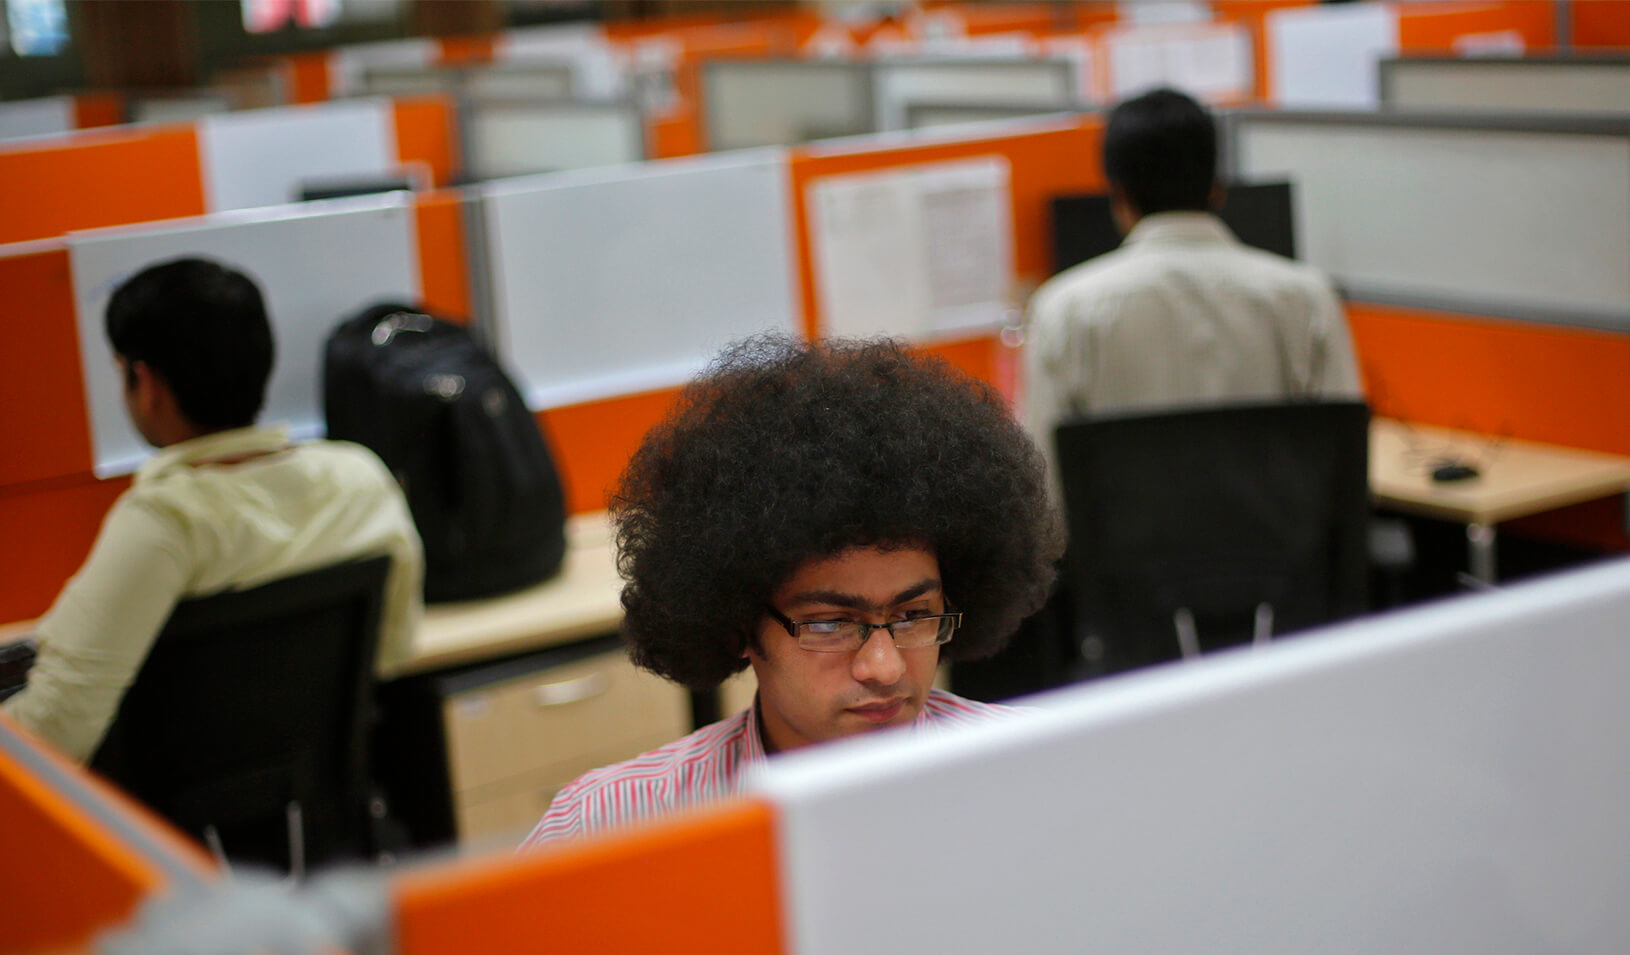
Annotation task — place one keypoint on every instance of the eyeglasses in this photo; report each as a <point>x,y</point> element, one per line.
<point>840,636</point>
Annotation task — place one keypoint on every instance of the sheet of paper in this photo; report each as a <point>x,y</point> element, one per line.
<point>918,252</point>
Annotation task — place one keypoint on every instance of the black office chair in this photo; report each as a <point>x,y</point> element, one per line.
<point>248,724</point>
<point>1196,529</point>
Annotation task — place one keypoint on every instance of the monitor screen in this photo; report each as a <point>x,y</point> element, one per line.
<point>1261,214</point>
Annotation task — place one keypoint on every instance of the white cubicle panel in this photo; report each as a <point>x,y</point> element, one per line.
<point>1212,62</point>
<point>1523,218</point>
<point>46,116</point>
<point>1446,779</point>
<point>616,281</point>
<point>260,157</point>
<point>1523,84</point>
<point>515,138</point>
<point>897,84</point>
<point>315,263</point>
<point>782,102</point>
<point>349,66</point>
<point>1324,56</point>
<point>522,79</point>
<point>593,58</point>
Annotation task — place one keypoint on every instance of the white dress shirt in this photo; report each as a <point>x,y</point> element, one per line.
<point>226,511</point>
<point>1182,313</point>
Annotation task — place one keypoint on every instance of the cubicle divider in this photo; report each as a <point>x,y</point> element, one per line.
<point>1041,159</point>
<point>81,856</point>
<point>1546,84</point>
<point>1325,56</point>
<point>56,115</point>
<point>123,175</point>
<point>1522,216</point>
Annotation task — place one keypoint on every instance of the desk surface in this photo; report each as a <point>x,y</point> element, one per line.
<point>1517,478</point>
<point>583,600</point>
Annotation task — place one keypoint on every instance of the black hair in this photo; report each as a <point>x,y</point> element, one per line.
<point>784,452</point>
<point>203,328</point>
<point>1161,149</point>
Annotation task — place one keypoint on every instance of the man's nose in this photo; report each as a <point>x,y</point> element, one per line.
<point>878,660</point>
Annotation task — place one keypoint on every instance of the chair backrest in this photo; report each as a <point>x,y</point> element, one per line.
<point>1212,510</point>
<point>255,699</point>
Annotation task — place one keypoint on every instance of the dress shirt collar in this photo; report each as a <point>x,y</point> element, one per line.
<point>1179,228</point>
<point>238,442</point>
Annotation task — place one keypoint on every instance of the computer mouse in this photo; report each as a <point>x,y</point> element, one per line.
<point>1453,471</point>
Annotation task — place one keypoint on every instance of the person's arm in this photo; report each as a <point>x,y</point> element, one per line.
<point>1335,363</point>
<point>564,818</point>
<point>96,636</point>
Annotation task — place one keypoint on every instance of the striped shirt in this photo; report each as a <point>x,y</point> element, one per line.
<point>697,769</point>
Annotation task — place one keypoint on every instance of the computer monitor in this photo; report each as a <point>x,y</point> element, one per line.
<point>1260,214</point>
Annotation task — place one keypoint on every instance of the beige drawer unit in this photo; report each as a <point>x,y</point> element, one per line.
<point>512,744</point>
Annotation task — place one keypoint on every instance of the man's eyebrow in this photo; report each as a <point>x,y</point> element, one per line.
<point>838,598</point>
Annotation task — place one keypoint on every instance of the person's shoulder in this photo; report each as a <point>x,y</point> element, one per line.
<point>693,768</point>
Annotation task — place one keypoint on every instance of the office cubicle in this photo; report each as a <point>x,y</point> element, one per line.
<point>1545,84</point>
<point>1511,216</point>
<point>925,114</point>
<point>177,109</point>
<point>781,102</point>
<point>513,136</point>
<point>896,84</point>
<point>532,79</point>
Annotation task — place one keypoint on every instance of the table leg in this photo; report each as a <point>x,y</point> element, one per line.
<point>1480,552</point>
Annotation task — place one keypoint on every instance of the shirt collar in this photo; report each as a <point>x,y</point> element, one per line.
<point>1179,228</point>
<point>221,444</point>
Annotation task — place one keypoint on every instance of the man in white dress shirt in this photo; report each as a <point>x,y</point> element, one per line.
<point>1182,313</point>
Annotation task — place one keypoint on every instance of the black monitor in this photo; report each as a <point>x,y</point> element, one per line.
<point>1261,214</point>
<point>310,189</point>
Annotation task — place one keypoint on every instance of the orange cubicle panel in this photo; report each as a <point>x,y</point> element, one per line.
<point>79,857</point>
<point>1601,25</point>
<point>425,134</point>
<point>53,186</point>
<point>701,883</point>
<point>1042,161</point>
<point>1439,27</point>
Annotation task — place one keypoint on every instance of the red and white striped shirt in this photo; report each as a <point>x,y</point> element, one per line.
<point>699,768</point>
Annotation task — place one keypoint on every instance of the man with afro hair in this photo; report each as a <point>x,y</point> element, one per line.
<point>840,516</point>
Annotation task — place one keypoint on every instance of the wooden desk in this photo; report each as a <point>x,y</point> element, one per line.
<point>583,600</point>
<point>1516,479</point>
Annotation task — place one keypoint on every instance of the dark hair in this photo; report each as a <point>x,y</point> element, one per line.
<point>784,452</point>
<point>203,328</point>
<point>1161,148</point>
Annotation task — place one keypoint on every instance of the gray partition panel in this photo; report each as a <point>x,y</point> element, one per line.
<point>1520,217</point>
<point>515,137</point>
<point>899,83</point>
<point>782,102</point>
<point>922,114</point>
<point>1549,85</point>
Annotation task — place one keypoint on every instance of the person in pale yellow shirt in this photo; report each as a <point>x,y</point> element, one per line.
<point>224,504</point>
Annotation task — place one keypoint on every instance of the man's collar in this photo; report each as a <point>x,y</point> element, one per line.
<point>235,443</point>
<point>1177,228</point>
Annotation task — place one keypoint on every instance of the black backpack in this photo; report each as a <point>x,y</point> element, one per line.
<point>443,416</point>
